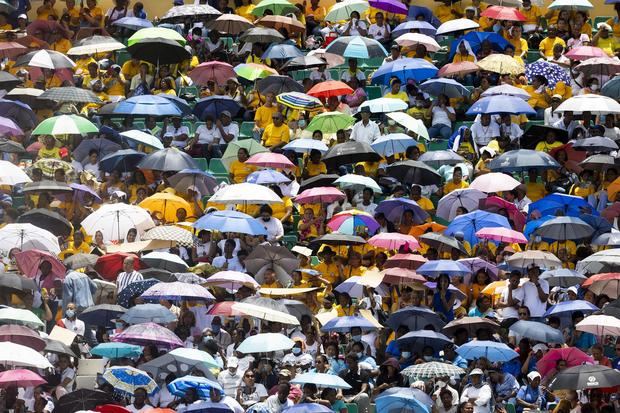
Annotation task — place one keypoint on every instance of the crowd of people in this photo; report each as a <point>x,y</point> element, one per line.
<point>365,206</point>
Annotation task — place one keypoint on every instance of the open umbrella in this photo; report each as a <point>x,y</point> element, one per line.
<point>18,355</point>
<point>346,323</point>
<point>45,59</point>
<point>262,35</point>
<point>356,47</point>
<point>126,379</point>
<point>467,198</point>
<point>180,361</point>
<point>278,258</point>
<point>491,350</point>
<point>537,331</point>
<point>177,291</point>
<point>332,122</point>
<point>384,105</point>
<point>147,105</point>
<point>559,204</point>
<point>563,228</point>
<point>533,257</point>
<point>418,340</point>
<point>27,237</point>
<point>158,50</point>
<point>230,221</point>
<point>442,86</point>
<point>330,88</point>
<point>124,160</point>
<point>168,159</point>
<point>114,220</point>
<point>101,315</point>
<point>282,51</point>
<point>411,40</point>
<point>432,370</point>
<point>494,182</point>
<point>133,23</point>
<point>203,386</point>
<point>521,160</point>
<point>394,143</point>
<point>503,13</point>
<point>435,268</point>
<point>65,125</point>
<point>20,378</point>
<point>502,64</point>
<point>562,277</point>
<point>456,25</point>
<point>404,69</point>
<point>414,172</point>
<point>442,243</point>
<point>82,399</point>
<point>604,283</point>
<point>472,222</point>
<point>232,280</point>
<point>219,72</point>
<point>414,318</point>
<point>180,14</point>
<point>421,26</point>
<point>230,24</point>
<point>166,204</point>
<point>148,313</point>
<point>342,11</point>
<point>595,104</point>
<point>595,144</point>
<point>321,380</point>
<point>437,159</point>
<point>586,377</point>
<point>322,195</point>
<point>19,334</point>
<point>215,105</point>
<point>245,194</point>
<point>497,104</point>
<point>149,334</point>
<point>116,350</point>
<point>571,355</point>
<point>48,220</point>
<point>349,222</point>
<point>265,342</point>
<point>278,7</point>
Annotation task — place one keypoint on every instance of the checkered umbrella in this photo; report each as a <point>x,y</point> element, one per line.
<point>171,233</point>
<point>431,370</point>
<point>70,94</point>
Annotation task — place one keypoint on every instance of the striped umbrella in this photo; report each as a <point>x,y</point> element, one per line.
<point>356,47</point>
<point>299,101</point>
<point>65,125</point>
<point>126,380</point>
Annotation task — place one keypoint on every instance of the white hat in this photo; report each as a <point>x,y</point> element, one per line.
<point>289,360</point>
<point>476,372</point>
<point>232,362</point>
<point>533,375</point>
<point>22,16</point>
<point>573,289</point>
<point>539,347</point>
<point>603,25</point>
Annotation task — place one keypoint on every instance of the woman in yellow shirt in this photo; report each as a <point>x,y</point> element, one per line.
<point>166,87</point>
<point>396,93</point>
<point>244,9</point>
<point>519,43</point>
<point>464,53</point>
<point>345,305</point>
<point>238,169</point>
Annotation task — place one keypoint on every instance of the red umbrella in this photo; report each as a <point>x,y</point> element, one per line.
<point>496,204</point>
<point>457,69</point>
<point>585,52</point>
<point>572,355</point>
<point>111,408</point>
<point>571,153</point>
<point>607,283</point>
<point>219,72</point>
<point>504,13</point>
<point>270,160</point>
<point>12,49</point>
<point>330,88</point>
<point>223,308</point>
<point>407,261</point>
<point>397,275</point>
<point>320,195</point>
<point>22,335</point>
<point>110,265</point>
<point>28,263</point>
<point>20,378</point>
<point>611,212</point>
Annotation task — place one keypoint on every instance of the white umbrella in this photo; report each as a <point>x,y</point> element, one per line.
<point>28,237</point>
<point>384,105</point>
<point>508,90</point>
<point>143,138</point>
<point>600,325</point>
<point>467,198</point>
<point>114,220</point>
<point>11,174</point>
<point>342,11</point>
<point>17,355</point>
<point>595,104</point>
<point>599,262</point>
<point>20,316</point>
<point>245,193</point>
<point>46,59</point>
<point>456,25</point>
<point>413,39</point>
<point>358,181</point>
<point>571,5</point>
<point>165,261</point>
<point>494,182</point>
<point>94,45</point>
<point>410,123</point>
<point>193,354</point>
<point>533,257</point>
<point>265,313</point>
<point>265,343</point>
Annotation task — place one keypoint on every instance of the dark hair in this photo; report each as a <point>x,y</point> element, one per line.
<point>266,208</point>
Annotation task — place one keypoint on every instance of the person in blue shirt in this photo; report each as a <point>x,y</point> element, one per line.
<point>580,339</point>
<point>615,363</point>
<point>443,299</point>
<point>512,367</point>
<point>532,396</point>
<point>335,364</point>
<point>392,349</point>
<point>450,354</point>
<point>483,307</point>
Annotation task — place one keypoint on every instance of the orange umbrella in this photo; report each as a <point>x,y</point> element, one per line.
<point>422,229</point>
<point>292,25</point>
<point>330,88</point>
<point>613,190</point>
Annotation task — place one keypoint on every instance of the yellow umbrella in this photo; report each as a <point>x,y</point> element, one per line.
<point>166,204</point>
<point>502,64</point>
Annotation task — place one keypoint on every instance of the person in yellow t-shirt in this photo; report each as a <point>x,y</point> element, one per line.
<point>540,97</point>
<point>238,169</point>
<point>546,45</point>
<point>614,22</point>
<point>315,10</point>
<point>62,44</point>
<point>424,203</point>
<point>448,10</point>
<point>255,56</point>
<point>92,15</point>
<point>277,134</point>
<point>313,165</point>
<point>73,13</point>
<point>457,182</point>
<point>328,267</point>
<point>49,149</point>
<point>464,53</point>
<point>114,82</point>
<point>77,246</point>
<point>549,143</point>
<point>270,280</point>
<point>46,10</point>
<point>264,114</point>
<point>603,40</point>
<point>533,17</point>
<point>131,68</point>
<point>245,10</point>
<point>534,190</point>
<point>519,43</point>
<point>395,92</point>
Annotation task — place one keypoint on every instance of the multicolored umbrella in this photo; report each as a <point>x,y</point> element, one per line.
<point>126,380</point>
<point>349,222</point>
<point>65,125</point>
<point>356,47</point>
<point>299,101</point>
<point>203,386</point>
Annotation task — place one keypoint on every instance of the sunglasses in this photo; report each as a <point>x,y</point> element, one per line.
<point>249,376</point>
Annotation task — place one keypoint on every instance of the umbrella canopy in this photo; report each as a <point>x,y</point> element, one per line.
<point>349,222</point>
<point>497,104</point>
<point>177,291</point>
<point>356,47</point>
<point>282,51</point>
<point>180,361</point>
<point>214,106</point>
<point>254,71</point>
<point>203,386</point>
<point>342,11</point>
<point>48,220</point>
<point>264,313</point>
<point>491,350</point>
<point>114,220</point>
<point>45,59</point>
<point>27,237</point>
<point>436,268</point>
<point>404,69</point>
<point>466,198</point>
<point>168,159</point>
<point>149,334</point>
<point>148,313</point>
<point>232,280</point>
<point>442,86</point>
<point>437,159</point>
<point>19,355</point>
<point>600,325</point>
<point>116,350</point>
<point>65,125</point>
<point>393,143</point>
<point>244,194</point>
<point>398,399</point>
<point>599,262</point>
<point>414,172</point>
<point>278,258</point>
<point>82,399</point>
<point>70,94</point>
<point>414,318</point>
<point>265,342</point>
<point>29,261</point>
<point>552,72</point>
<point>230,24</point>
<point>456,25</point>
<point>471,324</point>
<point>321,380</point>
<point>166,204</point>
<point>595,104</point>
<point>411,40</point>
<point>432,370</point>
<point>170,233</point>
<point>142,138</point>
<point>102,314</point>
<point>20,378</point>
<point>147,105</point>
<point>563,277</point>
<point>126,380</point>
<point>219,72</point>
<point>595,144</point>
<point>180,14</point>
<point>95,44</point>
<point>353,181</point>
<point>305,145</point>
<point>566,308</point>
<point>457,69</point>
<point>384,105</point>
<point>300,101</point>
<point>502,64</point>
<point>556,204</point>
<point>12,174</point>
<point>323,195</point>
<point>503,13</point>
<point>230,221</point>
<point>563,228</point>
<point>605,283</point>
<point>270,160</point>
<point>19,334</point>
<point>350,152</point>
<point>533,257</point>
<point>522,160</point>
<point>571,355</point>
<point>494,182</point>
<point>537,331</point>
<point>346,323</point>
<point>278,7</point>
<point>303,62</point>
<point>156,32</point>
<point>421,26</point>
<point>581,53</point>
<point>472,222</point>
<point>133,23</point>
<point>502,235</point>
<point>331,122</point>
<point>262,35</point>
<point>586,377</point>
<point>442,243</point>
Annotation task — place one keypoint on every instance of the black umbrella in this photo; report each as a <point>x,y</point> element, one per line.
<point>158,274</point>
<point>585,377</point>
<point>350,152</point>
<point>100,315</point>
<point>12,282</point>
<point>8,81</point>
<point>77,261</point>
<point>277,84</point>
<point>214,106</point>
<point>613,308</point>
<point>598,162</point>
<point>47,186</point>
<point>169,159</point>
<point>9,146</point>
<point>336,238</point>
<point>49,220</point>
<point>125,160</point>
<point>414,172</point>
<point>82,399</point>
<point>303,62</point>
<point>158,51</point>
<point>133,290</point>
<point>442,242</point>
<point>536,133</point>
<point>19,112</point>
<point>317,181</point>
<point>58,347</point>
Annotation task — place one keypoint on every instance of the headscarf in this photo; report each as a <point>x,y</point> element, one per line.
<point>468,47</point>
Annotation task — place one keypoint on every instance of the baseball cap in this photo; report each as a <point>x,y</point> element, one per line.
<point>539,347</point>
<point>285,373</point>
<point>533,375</point>
<point>233,362</point>
<point>226,113</point>
<point>476,372</point>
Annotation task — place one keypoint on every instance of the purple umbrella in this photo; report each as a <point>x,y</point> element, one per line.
<point>391,6</point>
<point>146,334</point>
<point>476,264</point>
<point>80,190</point>
<point>177,291</point>
<point>8,127</point>
<point>232,280</point>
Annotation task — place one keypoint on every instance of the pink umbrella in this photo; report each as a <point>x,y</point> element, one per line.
<point>33,148</point>
<point>401,276</point>
<point>457,69</point>
<point>20,378</point>
<point>28,263</point>
<point>320,195</point>
<point>177,291</point>
<point>408,261</point>
<point>498,205</point>
<point>12,49</point>
<point>218,72</point>
<point>585,52</point>
<point>22,335</point>
<point>147,334</point>
<point>232,280</point>
<point>572,355</point>
<point>270,160</point>
<point>502,235</point>
<point>393,241</point>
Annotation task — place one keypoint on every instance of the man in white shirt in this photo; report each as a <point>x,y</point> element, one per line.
<point>551,116</point>
<point>394,54</point>
<point>353,71</point>
<point>507,128</point>
<point>478,391</point>
<point>179,132</point>
<point>511,298</point>
<point>366,203</point>
<point>484,131</point>
<point>71,322</point>
<point>128,276</point>
<point>280,401</point>
<point>228,261</point>
<point>275,230</point>
<point>567,123</point>
<point>535,293</point>
<point>379,30</point>
<point>142,77</point>
<point>365,130</point>
<point>230,379</point>
<point>226,130</point>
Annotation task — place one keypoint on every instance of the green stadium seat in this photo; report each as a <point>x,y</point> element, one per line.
<point>217,167</point>
<point>351,407</point>
<point>122,56</point>
<point>289,240</point>
<point>373,92</point>
<point>245,131</point>
<point>202,163</point>
<point>532,56</point>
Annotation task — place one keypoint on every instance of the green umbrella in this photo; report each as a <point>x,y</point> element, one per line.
<point>253,71</point>
<point>343,10</point>
<point>251,145</point>
<point>65,125</point>
<point>152,32</point>
<point>330,122</point>
<point>19,316</point>
<point>278,7</point>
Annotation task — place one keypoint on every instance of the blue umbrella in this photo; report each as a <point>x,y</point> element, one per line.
<point>425,12</point>
<point>552,72</point>
<point>475,40</point>
<point>147,105</point>
<point>404,69</point>
<point>473,222</point>
<point>400,399</point>
<point>531,226</point>
<point>356,47</point>
<point>134,290</point>
<point>126,380</point>
<point>306,145</point>
<point>148,313</point>
<point>133,23</point>
<point>116,350</point>
<point>497,104</point>
<point>417,340</point>
<point>611,88</point>
<point>444,86</point>
<point>436,268</point>
<point>422,26</point>
<point>281,51</point>
<point>567,205</point>
<point>308,408</point>
<point>537,331</point>
<point>321,380</point>
<point>414,318</point>
<point>491,350</point>
<point>566,308</point>
<point>19,112</point>
<point>388,145</point>
<point>202,385</point>
<point>346,323</point>
<point>209,407</point>
<point>267,177</point>
<point>394,208</point>
<point>230,221</point>
<point>563,277</point>
<point>101,315</point>
<point>522,159</point>
<point>125,160</point>
<point>599,224</point>
<point>180,103</point>
<point>214,106</point>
